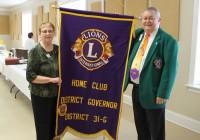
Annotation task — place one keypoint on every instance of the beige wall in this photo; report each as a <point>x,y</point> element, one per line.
<point>133,9</point>
<point>114,6</point>
<point>182,100</point>
<point>4,24</point>
<point>96,6</point>
<point>41,13</point>
<point>169,16</point>
<point>4,29</point>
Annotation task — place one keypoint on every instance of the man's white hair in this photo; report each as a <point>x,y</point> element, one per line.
<point>155,10</point>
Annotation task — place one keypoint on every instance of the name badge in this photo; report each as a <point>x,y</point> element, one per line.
<point>134,73</point>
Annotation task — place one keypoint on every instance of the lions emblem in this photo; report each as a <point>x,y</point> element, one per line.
<point>62,109</point>
<point>92,49</point>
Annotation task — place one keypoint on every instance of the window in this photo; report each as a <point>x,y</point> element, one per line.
<point>26,25</point>
<point>197,55</point>
<point>194,77</point>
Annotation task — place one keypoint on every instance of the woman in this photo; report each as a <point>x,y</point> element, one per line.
<point>42,74</point>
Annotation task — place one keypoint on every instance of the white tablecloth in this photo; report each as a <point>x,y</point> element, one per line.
<point>16,74</point>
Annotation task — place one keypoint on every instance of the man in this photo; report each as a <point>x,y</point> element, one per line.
<point>152,70</point>
<point>30,43</point>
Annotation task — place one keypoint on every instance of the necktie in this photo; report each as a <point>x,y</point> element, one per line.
<point>138,58</point>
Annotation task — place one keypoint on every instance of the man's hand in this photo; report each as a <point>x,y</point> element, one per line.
<point>160,100</point>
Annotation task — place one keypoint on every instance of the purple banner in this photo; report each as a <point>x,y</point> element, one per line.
<point>93,56</point>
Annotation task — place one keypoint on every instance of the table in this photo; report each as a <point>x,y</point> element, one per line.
<point>16,74</point>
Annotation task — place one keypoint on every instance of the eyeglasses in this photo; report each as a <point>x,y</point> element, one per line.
<point>47,31</point>
<point>148,18</point>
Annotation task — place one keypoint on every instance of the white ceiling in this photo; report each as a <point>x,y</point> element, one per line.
<point>10,3</point>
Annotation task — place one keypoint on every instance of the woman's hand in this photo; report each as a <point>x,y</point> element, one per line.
<point>56,80</point>
<point>44,80</point>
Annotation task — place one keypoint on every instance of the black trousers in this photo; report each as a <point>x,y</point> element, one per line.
<point>150,123</point>
<point>44,110</point>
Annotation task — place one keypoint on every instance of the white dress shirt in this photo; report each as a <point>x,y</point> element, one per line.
<point>151,38</point>
<point>29,44</point>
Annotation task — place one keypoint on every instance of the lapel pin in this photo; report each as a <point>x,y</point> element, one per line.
<point>140,38</point>
<point>48,55</point>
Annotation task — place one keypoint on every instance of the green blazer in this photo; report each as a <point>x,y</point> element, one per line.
<point>159,71</point>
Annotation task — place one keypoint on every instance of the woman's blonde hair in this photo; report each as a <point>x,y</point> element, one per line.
<point>46,24</point>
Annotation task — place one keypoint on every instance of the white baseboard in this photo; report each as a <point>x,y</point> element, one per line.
<point>176,118</point>
<point>183,121</point>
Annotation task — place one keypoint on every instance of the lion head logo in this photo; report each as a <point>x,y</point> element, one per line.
<point>77,47</point>
<point>108,52</point>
